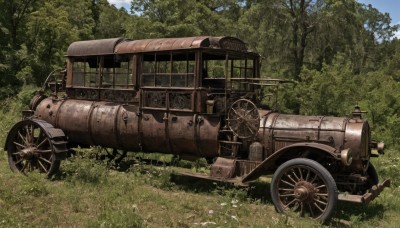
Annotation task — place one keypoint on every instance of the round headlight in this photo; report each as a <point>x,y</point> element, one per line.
<point>346,157</point>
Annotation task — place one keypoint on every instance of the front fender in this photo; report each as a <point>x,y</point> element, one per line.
<point>268,166</point>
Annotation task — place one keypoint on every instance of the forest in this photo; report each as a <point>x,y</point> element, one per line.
<point>337,53</point>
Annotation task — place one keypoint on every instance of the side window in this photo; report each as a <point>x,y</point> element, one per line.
<point>168,69</point>
<point>117,72</point>
<point>236,69</point>
<point>163,73</point>
<point>213,71</point>
<point>183,66</point>
<point>241,69</point>
<point>123,74</point>
<point>86,72</point>
<point>103,72</point>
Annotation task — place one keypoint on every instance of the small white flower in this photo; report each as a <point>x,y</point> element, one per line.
<point>234,205</point>
<point>223,204</point>
<point>235,218</point>
<point>211,212</point>
<point>208,223</point>
<point>234,201</point>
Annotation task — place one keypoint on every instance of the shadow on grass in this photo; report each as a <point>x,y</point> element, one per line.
<point>257,191</point>
<point>359,212</point>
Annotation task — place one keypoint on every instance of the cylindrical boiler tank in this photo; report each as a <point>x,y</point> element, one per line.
<point>126,127</point>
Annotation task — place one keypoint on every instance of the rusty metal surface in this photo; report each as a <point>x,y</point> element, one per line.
<point>269,165</point>
<point>116,125</point>
<point>167,44</point>
<point>223,168</point>
<point>367,197</point>
<point>93,47</point>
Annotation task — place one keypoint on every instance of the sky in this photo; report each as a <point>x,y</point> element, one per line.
<point>385,6</point>
<point>121,3</point>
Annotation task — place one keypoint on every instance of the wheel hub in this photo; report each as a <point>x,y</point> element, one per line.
<point>304,192</point>
<point>29,152</point>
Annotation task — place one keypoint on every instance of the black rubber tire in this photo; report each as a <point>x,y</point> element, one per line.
<point>305,192</point>
<point>373,175</point>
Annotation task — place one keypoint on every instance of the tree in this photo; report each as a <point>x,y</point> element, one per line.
<point>80,16</point>
<point>48,34</point>
<point>167,18</point>
<point>13,17</point>
<point>331,91</point>
<point>294,35</point>
<point>111,22</point>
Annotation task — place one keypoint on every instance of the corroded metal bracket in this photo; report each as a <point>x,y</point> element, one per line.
<point>367,197</point>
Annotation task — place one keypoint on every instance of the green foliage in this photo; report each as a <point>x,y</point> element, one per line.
<point>320,91</point>
<point>162,18</point>
<point>382,101</point>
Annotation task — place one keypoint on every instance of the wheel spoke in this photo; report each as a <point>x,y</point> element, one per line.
<point>28,134</point>
<point>22,138</point>
<point>315,177</point>
<point>287,195</point>
<point>249,111</point>
<point>41,144</point>
<point>294,174</point>
<point>301,209</point>
<point>308,175</point>
<point>292,185</point>
<point>311,210</point>
<point>321,194</point>
<point>250,127</point>
<point>20,145</point>
<point>316,205</point>
<point>234,110</point>
<point>44,151</point>
<point>301,173</point>
<point>44,168</point>
<point>19,161</point>
<point>321,202</point>
<point>286,189</point>
<point>45,160</point>
<point>291,202</point>
<point>321,186</point>
<point>294,182</point>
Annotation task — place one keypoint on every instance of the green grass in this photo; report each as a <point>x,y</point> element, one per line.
<point>90,193</point>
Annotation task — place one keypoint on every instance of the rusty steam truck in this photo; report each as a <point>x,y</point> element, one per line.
<point>195,97</point>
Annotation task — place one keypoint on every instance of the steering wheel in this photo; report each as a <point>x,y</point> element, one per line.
<point>243,118</point>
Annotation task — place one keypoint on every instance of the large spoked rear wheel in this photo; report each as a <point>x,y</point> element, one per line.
<point>304,187</point>
<point>30,149</point>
